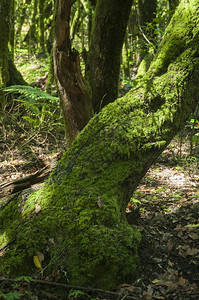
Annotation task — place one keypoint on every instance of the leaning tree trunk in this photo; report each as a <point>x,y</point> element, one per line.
<point>78,219</point>
<point>104,58</point>
<point>74,98</point>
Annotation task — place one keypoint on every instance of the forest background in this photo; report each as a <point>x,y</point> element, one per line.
<point>31,119</point>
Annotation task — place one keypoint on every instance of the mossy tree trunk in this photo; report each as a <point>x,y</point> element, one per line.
<point>81,227</point>
<point>104,57</point>
<point>74,97</point>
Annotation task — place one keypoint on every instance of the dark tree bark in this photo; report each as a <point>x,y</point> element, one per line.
<point>146,14</point>
<point>173,4</point>
<point>8,72</point>
<point>15,76</point>
<point>12,28</point>
<point>81,226</point>
<point>4,33</point>
<point>111,18</point>
<point>74,98</point>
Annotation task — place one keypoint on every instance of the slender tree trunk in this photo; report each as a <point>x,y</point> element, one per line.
<point>111,18</point>
<point>12,29</point>
<point>4,33</point>
<point>21,20</point>
<point>30,37</point>
<point>173,4</point>
<point>146,14</point>
<point>41,25</point>
<point>81,226</point>
<point>125,58</point>
<point>74,98</point>
<point>8,71</point>
<point>51,75</point>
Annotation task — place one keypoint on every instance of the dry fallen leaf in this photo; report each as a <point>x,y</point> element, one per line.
<point>40,256</point>
<point>148,294</point>
<point>37,208</point>
<point>170,263</point>
<point>192,251</point>
<point>193,236</point>
<point>169,245</point>
<point>185,247</point>
<point>182,281</point>
<point>99,202</point>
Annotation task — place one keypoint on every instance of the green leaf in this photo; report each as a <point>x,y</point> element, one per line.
<point>192,225</point>
<point>12,296</point>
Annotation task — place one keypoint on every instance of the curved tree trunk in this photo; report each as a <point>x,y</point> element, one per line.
<point>81,227</point>
<point>74,98</point>
<point>111,18</point>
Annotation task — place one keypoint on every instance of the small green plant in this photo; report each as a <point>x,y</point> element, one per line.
<point>76,294</point>
<point>27,279</point>
<point>160,190</point>
<point>135,202</point>
<point>32,110</point>
<point>11,296</point>
<point>38,104</point>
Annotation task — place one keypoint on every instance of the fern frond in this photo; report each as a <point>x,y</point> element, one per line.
<point>29,93</point>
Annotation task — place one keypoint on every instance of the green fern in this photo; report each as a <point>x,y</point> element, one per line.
<point>30,94</point>
<point>39,106</point>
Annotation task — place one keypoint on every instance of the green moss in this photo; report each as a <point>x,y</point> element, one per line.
<point>81,227</point>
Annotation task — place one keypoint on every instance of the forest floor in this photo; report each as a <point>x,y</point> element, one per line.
<point>165,208</point>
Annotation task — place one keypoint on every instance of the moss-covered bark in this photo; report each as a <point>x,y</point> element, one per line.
<point>81,227</point>
<point>111,18</point>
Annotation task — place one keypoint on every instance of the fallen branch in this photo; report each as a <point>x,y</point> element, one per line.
<point>94,291</point>
<point>21,184</point>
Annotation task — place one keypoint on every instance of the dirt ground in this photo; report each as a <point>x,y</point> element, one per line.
<point>165,208</point>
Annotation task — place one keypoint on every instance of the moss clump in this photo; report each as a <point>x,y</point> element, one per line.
<point>80,228</point>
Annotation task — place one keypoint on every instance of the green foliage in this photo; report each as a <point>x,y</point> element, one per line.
<point>25,278</point>
<point>76,294</point>
<point>40,107</point>
<point>30,94</point>
<point>11,296</point>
